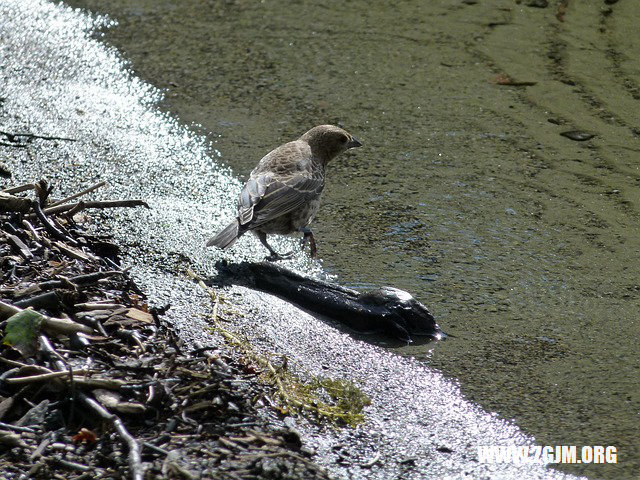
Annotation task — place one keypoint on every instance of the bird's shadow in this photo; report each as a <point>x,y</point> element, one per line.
<point>371,316</point>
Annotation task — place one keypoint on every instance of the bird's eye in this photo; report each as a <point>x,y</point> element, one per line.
<point>344,139</point>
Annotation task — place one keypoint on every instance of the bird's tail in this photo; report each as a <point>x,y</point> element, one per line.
<point>226,237</point>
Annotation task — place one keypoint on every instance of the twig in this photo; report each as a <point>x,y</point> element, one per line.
<point>98,306</point>
<point>135,462</point>
<point>20,188</point>
<point>15,428</point>
<point>76,207</point>
<point>372,462</point>
<point>77,282</point>
<point>91,278</point>
<point>42,377</point>
<point>58,325</point>
<point>79,194</point>
<point>50,227</point>
<point>152,447</point>
<point>19,244</point>
<point>11,136</point>
<point>36,235</point>
<point>62,325</point>
<point>74,252</point>
<point>68,464</point>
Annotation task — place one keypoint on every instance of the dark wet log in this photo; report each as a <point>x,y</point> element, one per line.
<point>385,310</point>
<point>54,300</point>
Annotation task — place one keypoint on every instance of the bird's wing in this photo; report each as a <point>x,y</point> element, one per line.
<point>264,198</point>
<point>250,195</point>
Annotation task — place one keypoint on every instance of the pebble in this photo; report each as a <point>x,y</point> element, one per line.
<point>577,135</point>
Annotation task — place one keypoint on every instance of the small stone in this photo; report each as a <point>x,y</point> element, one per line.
<point>4,170</point>
<point>577,135</point>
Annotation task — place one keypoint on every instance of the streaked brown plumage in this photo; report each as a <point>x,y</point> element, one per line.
<point>283,192</point>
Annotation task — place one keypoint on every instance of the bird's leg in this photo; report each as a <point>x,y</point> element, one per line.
<point>275,256</point>
<point>308,237</point>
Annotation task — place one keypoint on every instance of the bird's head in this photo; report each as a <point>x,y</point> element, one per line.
<point>328,141</point>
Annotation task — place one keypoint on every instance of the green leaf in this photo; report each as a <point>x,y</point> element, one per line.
<point>22,331</point>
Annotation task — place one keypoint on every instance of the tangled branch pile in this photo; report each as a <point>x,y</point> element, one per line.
<point>93,384</point>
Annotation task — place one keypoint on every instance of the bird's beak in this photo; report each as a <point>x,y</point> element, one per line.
<point>354,143</point>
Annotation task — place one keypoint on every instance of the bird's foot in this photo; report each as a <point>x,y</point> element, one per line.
<point>275,256</point>
<point>308,237</point>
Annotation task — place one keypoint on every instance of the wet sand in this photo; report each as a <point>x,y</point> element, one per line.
<point>522,240</point>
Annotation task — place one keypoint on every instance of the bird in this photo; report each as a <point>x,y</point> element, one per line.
<point>282,194</point>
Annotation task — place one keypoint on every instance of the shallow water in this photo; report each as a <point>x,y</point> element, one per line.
<point>523,242</point>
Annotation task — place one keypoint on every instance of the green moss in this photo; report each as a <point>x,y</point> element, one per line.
<point>338,402</point>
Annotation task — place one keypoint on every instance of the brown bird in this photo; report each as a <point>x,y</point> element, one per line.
<point>283,192</point>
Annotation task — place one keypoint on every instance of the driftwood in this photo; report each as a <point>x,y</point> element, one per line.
<point>19,189</point>
<point>386,310</point>
<point>11,203</point>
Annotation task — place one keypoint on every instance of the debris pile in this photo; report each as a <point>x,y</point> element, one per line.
<point>93,384</point>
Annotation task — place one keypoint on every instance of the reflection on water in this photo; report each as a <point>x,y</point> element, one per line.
<point>465,193</point>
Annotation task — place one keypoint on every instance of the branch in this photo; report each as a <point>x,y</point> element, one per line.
<point>12,136</point>
<point>20,188</point>
<point>79,194</point>
<point>57,325</point>
<point>76,207</point>
<point>11,203</point>
<point>135,462</point>
<point>50,227</point>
